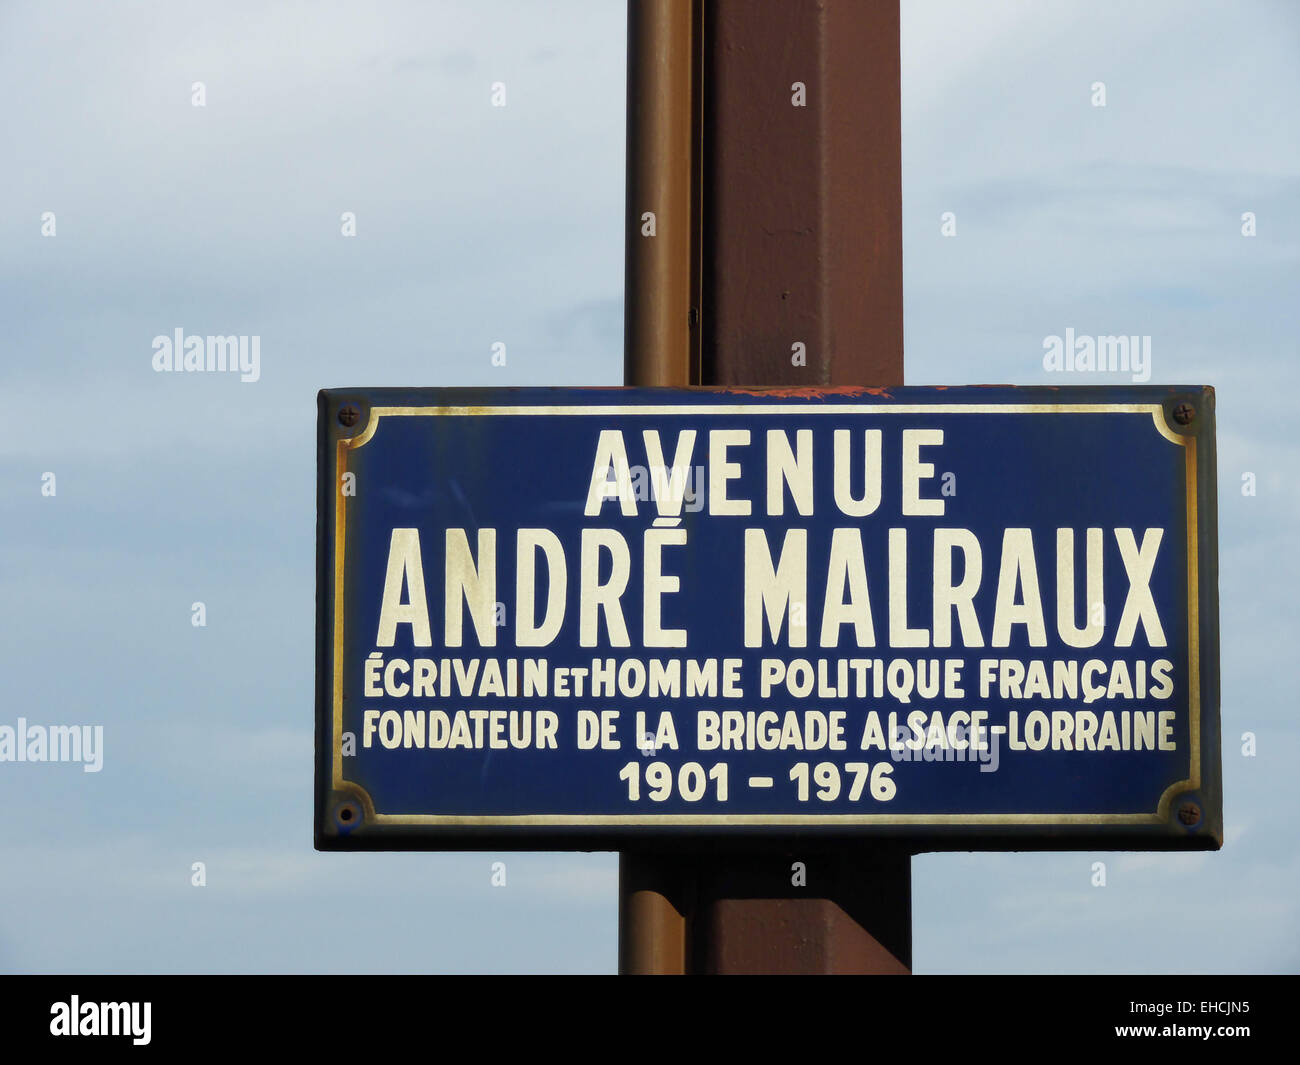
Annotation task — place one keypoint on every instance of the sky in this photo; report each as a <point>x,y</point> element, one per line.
<point>478,224</point>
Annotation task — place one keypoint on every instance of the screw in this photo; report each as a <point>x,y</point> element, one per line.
<point>1184,413</point>
<point>349,414</point>
<point>1189,813</point>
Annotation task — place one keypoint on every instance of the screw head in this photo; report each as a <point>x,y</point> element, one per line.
<point>1189,813</point>
<point>349,415</point>
<point>348,815</point>
<point>1184,413</point>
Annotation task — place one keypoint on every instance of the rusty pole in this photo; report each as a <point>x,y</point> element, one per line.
<point>785,143</point>
<point>802,204</point>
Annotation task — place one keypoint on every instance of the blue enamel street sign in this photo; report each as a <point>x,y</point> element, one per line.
<point>953,617</point>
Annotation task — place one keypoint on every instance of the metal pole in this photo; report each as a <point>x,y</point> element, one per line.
<point>661,122</point>
<point>778,125</point>
<point>659,284</point>
<point>802,206</point>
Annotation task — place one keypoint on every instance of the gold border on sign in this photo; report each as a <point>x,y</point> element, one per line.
<point>1156,412</point>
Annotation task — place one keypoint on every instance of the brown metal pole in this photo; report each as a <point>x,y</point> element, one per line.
<point>778,127</point>
<point>802,208</point>
<point>654,901</point>
<point>661,122</point>
<point>660,279</point>
<point>853,913</point>
<point>802,284</point>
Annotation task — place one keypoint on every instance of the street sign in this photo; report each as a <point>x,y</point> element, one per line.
<point>968,618</point>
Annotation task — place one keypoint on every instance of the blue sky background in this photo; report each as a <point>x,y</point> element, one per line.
<point>479,224</point>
